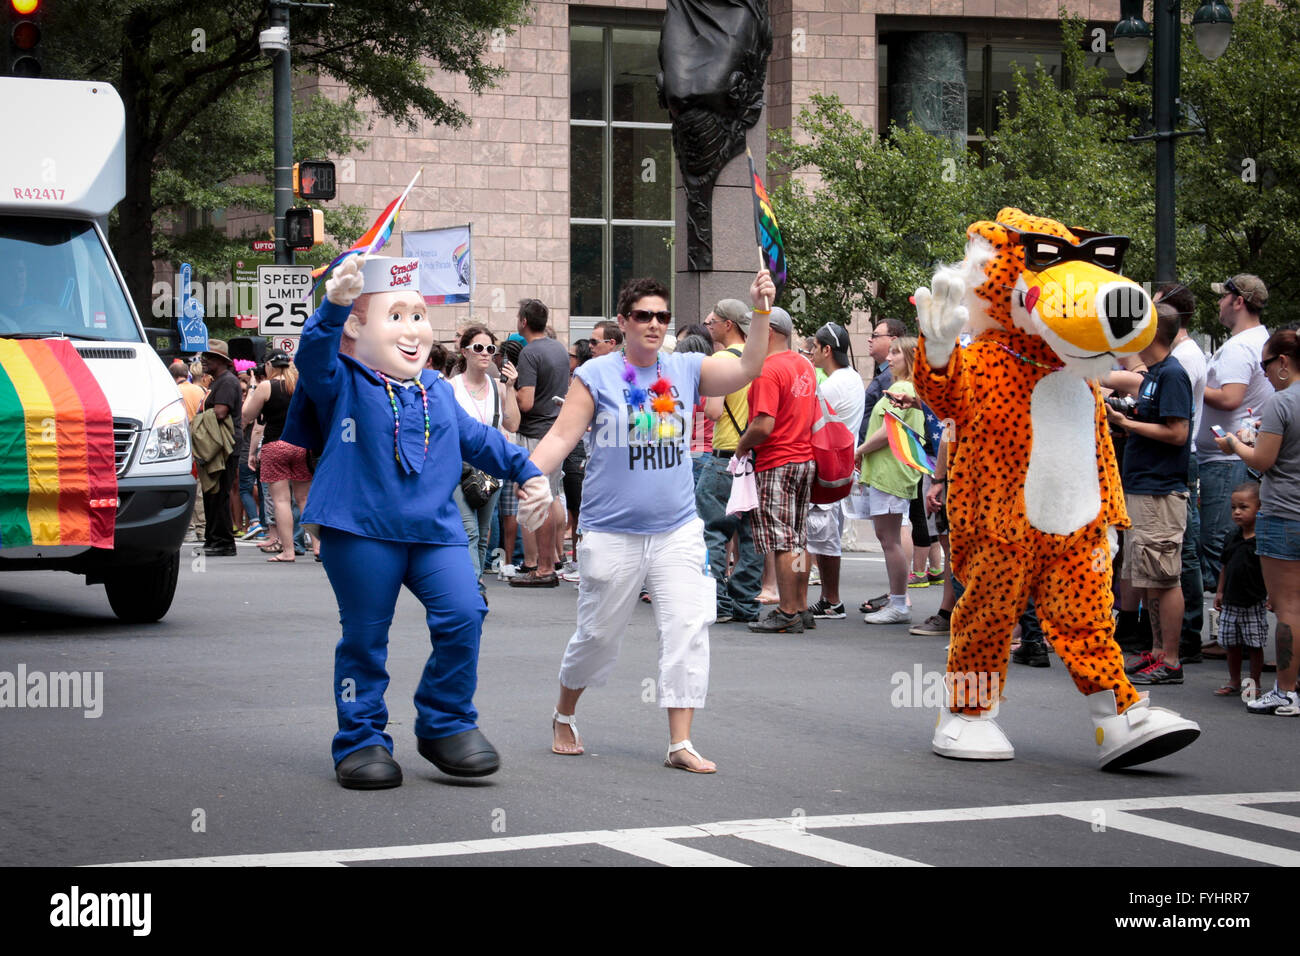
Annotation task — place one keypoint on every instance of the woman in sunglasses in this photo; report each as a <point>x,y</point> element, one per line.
<point>638,508</point>
<point>492,402</point>
<point>1274,451</point>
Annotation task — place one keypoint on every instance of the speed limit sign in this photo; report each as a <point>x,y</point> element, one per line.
<point>283,299</point>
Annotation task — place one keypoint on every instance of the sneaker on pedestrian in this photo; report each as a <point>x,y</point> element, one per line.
<point>1159,673</point>
<point>1031,653</point>
<point>815,575</point>
<point>809,619</point>
<point>776,621</point>
<point>932,626</point>
<point>507,571</point>
<point>569,566</point>
<point>534,580</point>
<point>826,610</point>
<point>888,615</point>
<point>1143,660</point>
<point>1281,703</point>
<point>915,580</point>
<point>645,596</point>
<point>571,576</point>
<point>935,575</point>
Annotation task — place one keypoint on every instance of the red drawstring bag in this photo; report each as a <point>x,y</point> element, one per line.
<point>833,447</point>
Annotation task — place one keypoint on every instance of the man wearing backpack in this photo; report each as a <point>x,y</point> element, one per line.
<point>782,409</point>
<point>728,324</point>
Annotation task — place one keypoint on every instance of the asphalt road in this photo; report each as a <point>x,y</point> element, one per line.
<point>213,745</point>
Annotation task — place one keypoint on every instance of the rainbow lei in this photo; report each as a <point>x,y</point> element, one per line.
<point>397,415</point>
<point>653,424</point>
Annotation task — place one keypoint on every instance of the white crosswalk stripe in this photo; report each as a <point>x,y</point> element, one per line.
<point>790,834</point>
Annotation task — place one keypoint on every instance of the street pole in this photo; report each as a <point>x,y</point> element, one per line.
<point>283,113</point>
<point>1167,23</point>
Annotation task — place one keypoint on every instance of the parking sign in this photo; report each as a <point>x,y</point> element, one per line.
<point>283,303</point>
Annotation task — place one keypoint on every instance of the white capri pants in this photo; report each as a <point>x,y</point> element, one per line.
<point>674,567</point>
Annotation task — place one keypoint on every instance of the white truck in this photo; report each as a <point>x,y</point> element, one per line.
<point>62,170</point>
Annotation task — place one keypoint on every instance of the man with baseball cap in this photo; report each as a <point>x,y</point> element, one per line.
<point>728,324</point>
<point>225,399</point>
<point>782,408</point>
<point>1234,383</point>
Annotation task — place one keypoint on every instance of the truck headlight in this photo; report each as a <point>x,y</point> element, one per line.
<point>169,438</point>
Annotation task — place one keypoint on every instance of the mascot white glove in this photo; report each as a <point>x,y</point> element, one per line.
<point>941,316</point>
<point>345,284</point>
<point>534,502</point>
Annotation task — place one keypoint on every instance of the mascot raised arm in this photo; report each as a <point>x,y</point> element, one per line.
<point>1035,495</point>
<point>391,438</point>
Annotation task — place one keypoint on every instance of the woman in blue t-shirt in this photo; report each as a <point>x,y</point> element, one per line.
<point>638,508</point>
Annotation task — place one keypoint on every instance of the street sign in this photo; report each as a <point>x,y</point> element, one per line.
<point>286,344</point>
<point>283,303</point>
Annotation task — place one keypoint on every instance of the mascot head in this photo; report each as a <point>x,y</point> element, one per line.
<point>1061,285</point>
<point>388,329</point>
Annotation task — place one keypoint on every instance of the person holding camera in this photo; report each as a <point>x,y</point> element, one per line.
<point>491,401</point>
<point>1154,475</point>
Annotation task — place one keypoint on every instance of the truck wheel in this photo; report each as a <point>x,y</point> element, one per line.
<point>143,594</point>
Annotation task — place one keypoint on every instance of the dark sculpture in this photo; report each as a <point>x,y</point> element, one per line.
<point>713,65</point>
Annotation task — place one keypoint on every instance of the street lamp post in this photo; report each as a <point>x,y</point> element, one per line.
<point>1212,26</point>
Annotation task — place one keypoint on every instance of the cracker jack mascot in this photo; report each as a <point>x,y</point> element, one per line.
<point>1035,492</point>
<point>391,438</point>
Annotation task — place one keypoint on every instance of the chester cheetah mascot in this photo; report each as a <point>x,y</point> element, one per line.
<point>1035,491</point>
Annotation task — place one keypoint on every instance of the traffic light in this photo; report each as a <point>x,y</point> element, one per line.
<point>313,180</point>
<point>24,38</point>
<point>303,228</point>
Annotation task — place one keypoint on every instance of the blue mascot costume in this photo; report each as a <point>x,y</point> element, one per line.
<point>391,438</point>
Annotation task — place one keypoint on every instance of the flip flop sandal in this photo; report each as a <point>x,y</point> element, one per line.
<point>572,724</point>
<point>685,745</point>
<point>280,559</point>
<point>1227,690</point>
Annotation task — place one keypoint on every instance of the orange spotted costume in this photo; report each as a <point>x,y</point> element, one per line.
<point>1034,486</point>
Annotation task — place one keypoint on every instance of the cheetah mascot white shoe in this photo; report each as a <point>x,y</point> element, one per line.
<point>1140,734</point>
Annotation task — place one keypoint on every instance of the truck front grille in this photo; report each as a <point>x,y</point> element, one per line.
<point>125,433</point>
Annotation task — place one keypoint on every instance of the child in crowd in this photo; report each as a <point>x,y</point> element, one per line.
<point>1243,621</point>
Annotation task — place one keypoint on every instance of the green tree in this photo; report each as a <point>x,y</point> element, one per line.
<point>885,211</point>
<point>1239,185</point>
<point>191,74</point>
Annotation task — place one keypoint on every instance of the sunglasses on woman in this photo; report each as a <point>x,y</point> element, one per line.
<point>643,316</point>
<point>480,348</point>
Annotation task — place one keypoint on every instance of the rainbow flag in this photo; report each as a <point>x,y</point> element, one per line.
<point>58,477</point>
<point>374,238</point>
<point>766,231</point>
<point>907,445</point>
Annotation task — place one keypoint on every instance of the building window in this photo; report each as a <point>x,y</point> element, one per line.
<point>621,169</point>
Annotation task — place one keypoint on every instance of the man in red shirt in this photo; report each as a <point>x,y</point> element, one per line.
<point>782,409</point>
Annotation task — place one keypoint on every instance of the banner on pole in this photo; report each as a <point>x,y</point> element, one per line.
<point>446,263</point>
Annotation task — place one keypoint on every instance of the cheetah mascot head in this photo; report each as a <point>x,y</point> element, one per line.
<point>1062,285</point>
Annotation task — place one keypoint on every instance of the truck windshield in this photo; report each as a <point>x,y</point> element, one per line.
<point>55,279</point>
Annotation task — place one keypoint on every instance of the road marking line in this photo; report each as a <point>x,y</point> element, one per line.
<point>1263,818</point>
<point>666,852</point>
<point>1078,809</point>
<point>1192,837</point>
<point>826,849</point>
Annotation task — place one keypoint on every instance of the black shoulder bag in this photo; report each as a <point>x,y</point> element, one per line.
<point>477,486</point>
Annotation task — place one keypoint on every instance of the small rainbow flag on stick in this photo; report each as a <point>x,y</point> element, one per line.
<point>374,238</point>
<point>907,445</point>
<point>766,232</point>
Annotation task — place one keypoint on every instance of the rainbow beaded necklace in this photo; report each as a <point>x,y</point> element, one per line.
<point>397,415</point>
<point>653,424</point>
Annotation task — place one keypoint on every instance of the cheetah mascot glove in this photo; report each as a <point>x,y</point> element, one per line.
<point>1035,491</point>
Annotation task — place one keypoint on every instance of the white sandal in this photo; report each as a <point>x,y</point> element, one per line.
<point>685,745</point>
<point>571,722</point>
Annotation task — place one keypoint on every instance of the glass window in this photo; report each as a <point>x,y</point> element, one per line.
<point>643,184</point>
<point>621,168</point>
<point>587,73</point>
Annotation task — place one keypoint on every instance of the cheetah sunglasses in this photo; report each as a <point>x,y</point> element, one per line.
<point>1043,251</point>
